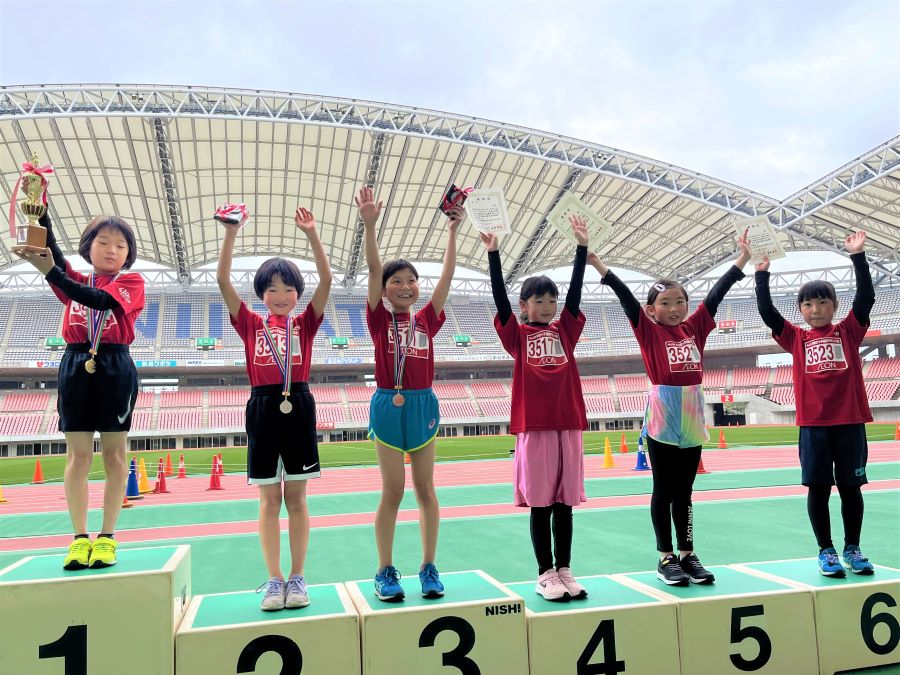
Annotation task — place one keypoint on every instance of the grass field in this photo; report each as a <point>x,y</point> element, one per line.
<point>21,469</point>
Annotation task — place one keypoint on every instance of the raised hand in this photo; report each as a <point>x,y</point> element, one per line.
<point>764,265</point>
<point>490,241</point>
<point>454,217</point>
<point>745,253</point>
<point>579,229</point>
<point>305,220</point>
<point>365,202</point>
<point>594,260</point>
<point>856,242</point>
<point>42,264</point>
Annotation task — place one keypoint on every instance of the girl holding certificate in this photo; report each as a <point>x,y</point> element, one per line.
<point>403,413</point>
<point>281,412</point>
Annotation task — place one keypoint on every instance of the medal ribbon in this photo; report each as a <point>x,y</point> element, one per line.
<point>284,366</point>
<point>97,322</point>
<point>401,352</point>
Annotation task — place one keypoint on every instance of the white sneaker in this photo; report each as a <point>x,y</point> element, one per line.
<point>296,595</point>
<point>551,588</point>
<point>274,598</point>
<point>576,590</point>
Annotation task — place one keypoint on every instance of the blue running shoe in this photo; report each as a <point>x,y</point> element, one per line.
<point>431,582</point>
<point>829,565</point>
<point>387,585</point>
<point>855,562</point>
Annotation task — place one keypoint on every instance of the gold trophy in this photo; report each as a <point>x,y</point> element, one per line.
<point>31,236</point>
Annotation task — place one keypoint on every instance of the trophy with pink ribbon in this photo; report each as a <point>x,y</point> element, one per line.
<point>30,236</point>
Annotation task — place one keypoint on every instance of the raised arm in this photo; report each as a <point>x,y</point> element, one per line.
<point>629,303</point>
<point>223,271</point>
<point>83,294</point>
<point>864,298</point>
<point>573,296</point>
<point>732,275</point>
<point>498,288</point>
<point>369,212</point>
<point>306,221</point>
<point>58,256</point>
<point>770,316</point>
<point>442,289</point>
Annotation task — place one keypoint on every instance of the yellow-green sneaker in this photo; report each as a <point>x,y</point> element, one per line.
<point>103,554</point>
<point>79,554</point>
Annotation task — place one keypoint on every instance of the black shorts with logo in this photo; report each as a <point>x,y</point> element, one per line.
<point>281,444</point>
<point>99,401</point>
<point>835,454</point>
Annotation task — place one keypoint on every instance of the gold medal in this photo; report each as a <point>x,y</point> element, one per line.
<point>397,400</point>
<point>90,365</point>
<point>285,406</point>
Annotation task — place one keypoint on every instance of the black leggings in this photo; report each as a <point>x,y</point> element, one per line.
<point>851,513</point>
<point>562,535</point>
<point>674,470</point>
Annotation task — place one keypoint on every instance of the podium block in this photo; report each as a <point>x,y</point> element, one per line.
<point>741,624</point>
<point>94,622</point>
<point>477,627</point>
<point>857,618</point>
<point>229,633</point>
<point>616,629</point>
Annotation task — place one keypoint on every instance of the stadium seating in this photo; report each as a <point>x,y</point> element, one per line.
<point>749,377</point>
<point>185,398</point>
<point>495,408</point>
<point>633,403</point>
<point>228,397</point>
<point>783,395</point>
<point>881,391</point>
<point>20,425</point>
<point>631,383</point>
<point>594,385</point>
<point>25,402</point>
<point>883,368</point>
<point>450,390</point>
<point>714,379</point>
<point>490,389</point>
<point>179,419</point>
<point>226,418</point>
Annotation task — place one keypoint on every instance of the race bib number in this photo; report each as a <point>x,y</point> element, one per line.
<point>262,355</point>
<point>418,349</point>
<point>825,354</point>
<point>78,316</point>
<point>683,356</point>
<point>544,349</point>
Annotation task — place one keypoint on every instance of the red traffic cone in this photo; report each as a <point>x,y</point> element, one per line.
<point>406,459</point>
<point>182,472</point>
<point>38,473</point>
<point>722,444</point>
<point>623,446</point>
<point>169,471</point>
<point>125,503</point>
<point>701,468</point>
<point>897,432</point>
<point>160,486</point>
<point>215,482</point>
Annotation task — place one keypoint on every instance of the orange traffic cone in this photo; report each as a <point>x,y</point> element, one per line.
<point>38,473</point>
<point>406,459</point>
<point>143,481</point>
<point>2,498</point>
<point>701,468</point>
<point>182,472</point>
<point>897,432</point>
<point>125,503</point>
<point>608,462</point>
<point>215,482</point>
<point>160,487</point>
<point>169,471</point>
<point>623,446</point>
<point>722,444</point>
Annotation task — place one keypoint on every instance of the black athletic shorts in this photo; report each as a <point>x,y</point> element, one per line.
<point>837,454</point>
<point>281,444</point>
<point>98,401</point>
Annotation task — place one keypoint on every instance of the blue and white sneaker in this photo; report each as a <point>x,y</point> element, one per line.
<point>829,565</point>
<point>431,582</point>
<point>855,562</point>
<point>274,597</point>
<point>296,595</point>
<point>387,585</point>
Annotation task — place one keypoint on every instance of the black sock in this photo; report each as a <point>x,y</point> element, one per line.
<point>82,536</point>
<point>108,536</point>
<point>540,537</point>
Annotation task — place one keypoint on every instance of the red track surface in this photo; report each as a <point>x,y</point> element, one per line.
<point>49,498</point>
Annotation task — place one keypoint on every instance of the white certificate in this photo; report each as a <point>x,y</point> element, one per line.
<point>761,237</point>
<point>599,230</point>
<point>486,209</point>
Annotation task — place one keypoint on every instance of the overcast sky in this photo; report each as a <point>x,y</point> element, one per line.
<point>770,96</point>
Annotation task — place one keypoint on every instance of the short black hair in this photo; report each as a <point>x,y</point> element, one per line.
<point>114,223</point>
<point>280,267</point>
<point>813,290</point>
<point>661,286</point>
<point>395,266</point>
<point>538,286</point>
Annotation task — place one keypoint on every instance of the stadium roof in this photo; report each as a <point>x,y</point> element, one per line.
<point>164,156</point>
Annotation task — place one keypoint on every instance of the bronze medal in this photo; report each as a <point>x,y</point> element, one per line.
<point>90,365</point>
<point>397,400</point>
<point>286,407</point>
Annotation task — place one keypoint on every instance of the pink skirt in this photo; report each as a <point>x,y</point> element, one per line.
<point>549,467</point>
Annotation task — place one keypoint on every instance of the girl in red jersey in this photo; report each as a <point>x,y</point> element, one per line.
<point>549,460</point>
<point>832,407</point>
<point>282,450</point>
<point>98,382</point>
<point>671,344</point>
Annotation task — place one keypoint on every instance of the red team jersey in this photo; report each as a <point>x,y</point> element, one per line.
<point>673,355</point>
<point>827,370</point>
<point>261,366</point>
<point>546,386</point>
<point>128,291</point>
<point>418,372</point>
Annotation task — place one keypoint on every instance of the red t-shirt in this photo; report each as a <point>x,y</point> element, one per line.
<point>546,386</point>
<point>261,366</point>
<point>128,291</point>
<point>827,370</point>
<point>418,371</point>
<point>673,355</point>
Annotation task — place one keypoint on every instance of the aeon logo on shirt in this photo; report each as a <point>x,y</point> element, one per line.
<point>418,349</point>
<point>262,355</point>
<point>823,354</point>
<point>683,356</point>
<point>544,349</point>
<point>78,316</point>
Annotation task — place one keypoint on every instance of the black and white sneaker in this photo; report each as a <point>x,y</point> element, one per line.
<point>670,572</point>
<point>695,571</point>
